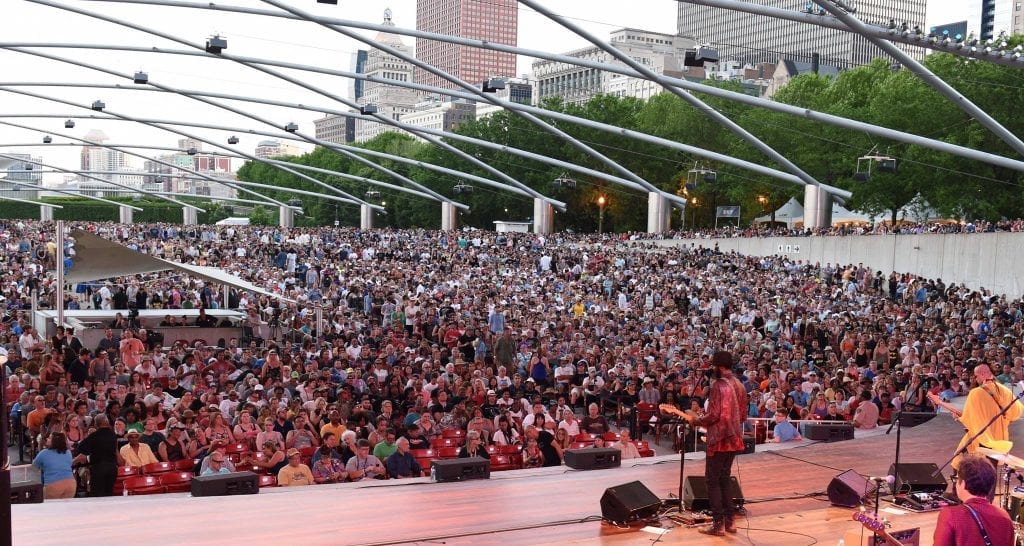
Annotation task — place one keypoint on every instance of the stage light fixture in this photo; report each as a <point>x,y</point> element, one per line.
<point>141,78</point>
<point>372,194</point>
<point>47,139</point>
<point>291,127</point>
<point>98,105</point>
<point>28,166</point>
<point>368,109</point>
<point>331,2</point>
<point>233,140</point>
<point>192,151</point>
<point>69,124</point>
<point>493,84</point>
<point>216,44</point>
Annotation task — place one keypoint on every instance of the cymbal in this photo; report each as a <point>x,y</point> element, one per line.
<point>996,446</point>
<point>1011,461</point>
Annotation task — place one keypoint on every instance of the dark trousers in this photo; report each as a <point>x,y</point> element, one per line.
<point>101,480</point>
<point>717,473</point>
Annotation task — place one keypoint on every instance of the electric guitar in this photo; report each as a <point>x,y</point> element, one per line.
<point>876,527</point>
<point>938,402</point>
<point>689,415</point>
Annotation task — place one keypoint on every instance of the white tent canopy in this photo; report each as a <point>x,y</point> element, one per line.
<point>789,213</point>
<point>98,258</point>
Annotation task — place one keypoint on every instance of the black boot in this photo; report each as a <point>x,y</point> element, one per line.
<point>730,524</point>
<point>717,528</point>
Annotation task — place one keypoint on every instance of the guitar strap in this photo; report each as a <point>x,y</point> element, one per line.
<point>984,534</point>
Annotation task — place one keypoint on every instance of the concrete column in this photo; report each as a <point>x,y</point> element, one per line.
<point>126,214</point>
<point>365,217</point>
<point>45,214</point>
<point>817,207</point>
<point>287,217</point>
<point>449,216</point>
<point>659,213</point>
<point>189,216</point>
<point>543,217</point>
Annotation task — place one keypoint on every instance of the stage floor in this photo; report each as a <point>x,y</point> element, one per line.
<point>542,506</point>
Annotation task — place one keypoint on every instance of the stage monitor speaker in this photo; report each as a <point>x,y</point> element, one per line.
<point>917,478</point>
<point>749,444</point>
<point>695,493</point>
<point>455,470</point>
<point>828,432</point>
<point>29,492</point>
<point>848,489</point>
<point>219,485</point>
<point>909,419</point>
<point>629,502</point>
<point>593,458</point>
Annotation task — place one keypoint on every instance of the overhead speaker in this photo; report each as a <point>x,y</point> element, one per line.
<point>695,493</point>
<point>219,485</point>
<point>628,503</point>
<point>848,489</point>
<point>593,458</point>
<point>917,478</point>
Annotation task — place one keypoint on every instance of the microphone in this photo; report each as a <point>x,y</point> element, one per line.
<point>890,479</point>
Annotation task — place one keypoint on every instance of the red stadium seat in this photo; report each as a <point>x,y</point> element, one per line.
<point>453,433</point>
<point>125,472</point>
<point>425,463</point>
<point>511,449</point>
<point>581,445</point>
<point>585,437</point>
<point>268,480</point>
<point>611,436</point>
<point>176,482</point>
<point>492,449</point>
<point>448,453</point>
<point>185,465</point>
<point>438,443</point>
<point>307,451</point>
<point>423,453</point>
<point>502,462</point>
<point>152,469</point>
<point>644,448</point>
<point>143,485</point>
<point>240,447</point>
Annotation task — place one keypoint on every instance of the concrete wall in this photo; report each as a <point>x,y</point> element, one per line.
<point>993,261</point>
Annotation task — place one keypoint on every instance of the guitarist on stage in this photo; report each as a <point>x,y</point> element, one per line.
<point>976,522</point>
<point>727,407</point>
<point>983,403</point>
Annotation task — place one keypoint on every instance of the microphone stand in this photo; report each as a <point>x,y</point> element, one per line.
<point>897,421</point>
<point>1002,411</point>
<point>682,461</point>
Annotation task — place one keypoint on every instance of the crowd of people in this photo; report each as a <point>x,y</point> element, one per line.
<point>513,339</point>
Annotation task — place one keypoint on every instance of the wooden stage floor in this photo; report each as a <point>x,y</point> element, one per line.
<point>542,506</point>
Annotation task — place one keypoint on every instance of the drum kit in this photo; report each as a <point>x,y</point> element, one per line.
<point>1013,497</point>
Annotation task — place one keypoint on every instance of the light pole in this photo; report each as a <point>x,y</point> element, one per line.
<point>600,214</point>
<point>694,203</point>
<point>764,203</point>
<point>5,463</point>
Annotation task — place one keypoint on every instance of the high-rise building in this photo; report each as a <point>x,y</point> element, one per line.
<point>577,84</point>
<point>440,115</point>
<point>359,67</point>
<point>755,39</point>
<point>494,21</point>
<point>23,168</point>
<point>105,163</point>
<point>391,102</point>
<point>988,18</point>
<point>267,149</point>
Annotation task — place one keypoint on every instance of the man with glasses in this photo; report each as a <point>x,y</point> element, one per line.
<point>217,465</point>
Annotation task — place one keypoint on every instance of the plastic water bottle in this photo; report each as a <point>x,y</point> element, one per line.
<point>433,473</point>
<point>842,542</point>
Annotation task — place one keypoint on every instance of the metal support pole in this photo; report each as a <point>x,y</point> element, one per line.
<point>449,217</point>
<point>59,259</point>
<point>6,534</point>
<point>365,217</point>
<point>930,78</point>
<point>543,217</point>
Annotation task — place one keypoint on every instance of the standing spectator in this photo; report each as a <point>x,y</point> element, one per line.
<point>54,463</point>
<point>99,449</point>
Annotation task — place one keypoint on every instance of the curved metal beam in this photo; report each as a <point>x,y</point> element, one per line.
<point>69,192</point>
<point>265,70</point>
<point>212,198</point>
<point>98,179</point>
<point>856,26</point>
<point>479,95</point>
<point>29,201</point>
<point>693,101</point>
<point>123,150</point>
<point>271,162</point>
<point>814,115</point>
<point>194,137</point>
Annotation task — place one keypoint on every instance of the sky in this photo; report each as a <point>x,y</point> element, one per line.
<point>255,36</point>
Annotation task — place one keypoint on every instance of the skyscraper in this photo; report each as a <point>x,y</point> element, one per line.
<point>756,38</point>
<point>491,20</point>
<point>987,18</point>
